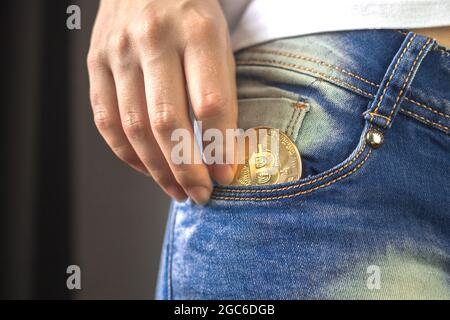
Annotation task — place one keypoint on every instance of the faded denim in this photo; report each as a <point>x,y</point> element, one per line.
<point>356,208</point>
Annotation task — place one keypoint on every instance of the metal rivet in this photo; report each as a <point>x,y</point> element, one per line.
<point>375,138</point>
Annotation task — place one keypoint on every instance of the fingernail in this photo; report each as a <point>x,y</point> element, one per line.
<point>199,194</point>
<point>224,173</point>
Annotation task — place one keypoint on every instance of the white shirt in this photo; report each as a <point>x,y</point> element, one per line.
<point>255,21</point>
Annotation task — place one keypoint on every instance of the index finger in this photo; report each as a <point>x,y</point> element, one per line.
<point>168,111</point>
<point>210,75</point>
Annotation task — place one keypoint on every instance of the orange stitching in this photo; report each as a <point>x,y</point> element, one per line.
<point>406,80</point>
<point>254,62</point>
<point>300,192</point>
<point>437,48</point>
<point>423,105</point>
<point>379,115</point>
<point>393,72</point>
<point>299,114</point>
<point>291,120</point>
<point>300,105</point>
<point>416,116</point>
<point>319,62</point>
<point>297,67</point>
<point>219,189</point>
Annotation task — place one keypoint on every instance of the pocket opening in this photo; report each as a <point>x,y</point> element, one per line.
<point>302,186</point>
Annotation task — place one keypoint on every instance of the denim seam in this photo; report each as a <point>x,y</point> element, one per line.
<point>405,83</point>
<point>317,61</point>
<point>437,48</point>
<point>344,84</point>
<point>300,192</point>
<point>344,166</point>
<point>423,105</point>
<point>254,61</point>
<point>344,71</point>
<point>372,114</point>
<point>299,114</point>
<point>392,75</point>
<point>290,123</point>
<point>300,105</point>
<point>425,120</point>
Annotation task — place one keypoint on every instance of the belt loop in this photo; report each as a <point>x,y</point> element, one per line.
<point>397,80</point>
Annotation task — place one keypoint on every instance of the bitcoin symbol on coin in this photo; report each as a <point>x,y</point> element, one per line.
<point>275,159</point>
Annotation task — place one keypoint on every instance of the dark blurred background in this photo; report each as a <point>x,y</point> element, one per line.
<point>66,199</point>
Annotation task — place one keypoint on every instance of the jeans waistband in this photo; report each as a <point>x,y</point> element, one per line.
<point>399,72</point>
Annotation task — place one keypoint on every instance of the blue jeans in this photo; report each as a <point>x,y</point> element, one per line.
<point>370,218</point>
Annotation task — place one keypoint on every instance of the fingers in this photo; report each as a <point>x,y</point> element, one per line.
<point>106,113</point>
<point>139,94</point>
<point>168,111</point>
<point>209,69</point>
<point>136,125</point>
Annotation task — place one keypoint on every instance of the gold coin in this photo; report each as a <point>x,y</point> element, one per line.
<point>271,158</point>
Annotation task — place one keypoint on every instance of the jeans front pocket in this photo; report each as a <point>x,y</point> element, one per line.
<point>285,114</point>
<point>355,211</point>
<point>324,121</point>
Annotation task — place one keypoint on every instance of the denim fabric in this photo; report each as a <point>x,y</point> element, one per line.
<point>357,211</point>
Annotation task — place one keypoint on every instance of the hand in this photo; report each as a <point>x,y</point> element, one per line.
<point>147,60</point>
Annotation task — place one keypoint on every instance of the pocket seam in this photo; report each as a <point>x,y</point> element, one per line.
<point>220,192</point>
<point>290,123</point>
<point>338,178</point>
<point>299,107</point>
<point>297,68</point>
<point>425,120</point>
<point>275,189</point>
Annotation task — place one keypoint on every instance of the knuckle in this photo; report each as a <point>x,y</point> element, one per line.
<point>148,27</point>
<point>201,28</point>
<point>134,125</point>
<point>95,59</point>
<point>211,105</point>
<point>96,99</point>
<point>163,118</point>
<point>120,43</point>
<point>103,121</point>
<point>150,30</point>
<point>201,24</point>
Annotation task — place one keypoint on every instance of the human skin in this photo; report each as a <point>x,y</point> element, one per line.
<point>441,34</point>
<point>147,60</point>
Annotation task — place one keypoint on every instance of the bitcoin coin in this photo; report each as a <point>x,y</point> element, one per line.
<point>272,158</point>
